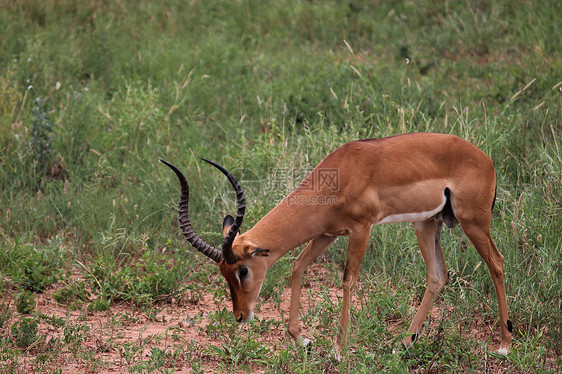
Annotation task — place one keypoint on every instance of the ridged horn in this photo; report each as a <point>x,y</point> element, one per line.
<point>185,225</point>
<point>229,255</point>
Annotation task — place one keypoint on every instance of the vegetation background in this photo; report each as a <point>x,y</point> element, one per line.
<point>93,93</point>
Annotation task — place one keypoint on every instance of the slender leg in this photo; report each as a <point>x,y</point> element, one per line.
<point>358,240</point>
<point>314,249</point>
<point>480,236</point>
<point>428,234</point>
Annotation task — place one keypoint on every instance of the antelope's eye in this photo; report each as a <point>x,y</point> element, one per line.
<point>243,272</point>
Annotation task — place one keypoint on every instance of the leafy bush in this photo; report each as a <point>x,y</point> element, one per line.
<point>5,314</point>
<point>25,302</point>
<point>91,96</point>
<point>32,268</point>
<point>40,139</point>
<point>24,332</point>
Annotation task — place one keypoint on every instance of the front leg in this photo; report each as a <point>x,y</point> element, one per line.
<point>429,233</point>
<point>358,240</point>
<point>314,249</point>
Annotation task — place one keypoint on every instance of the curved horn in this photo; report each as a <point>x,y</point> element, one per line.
<point>229,255</point>
<point>185,225</point>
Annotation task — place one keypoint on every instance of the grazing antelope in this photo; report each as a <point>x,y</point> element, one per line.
<point>427,179</point>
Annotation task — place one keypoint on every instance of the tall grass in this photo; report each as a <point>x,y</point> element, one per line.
<point>92,94</point>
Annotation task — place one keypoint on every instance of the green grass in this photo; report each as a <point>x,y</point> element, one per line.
<point>91,95</point>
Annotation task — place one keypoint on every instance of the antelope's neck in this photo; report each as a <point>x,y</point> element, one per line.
<point>286,227</point>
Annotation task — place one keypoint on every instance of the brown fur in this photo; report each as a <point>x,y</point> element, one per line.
<point>398,177</point>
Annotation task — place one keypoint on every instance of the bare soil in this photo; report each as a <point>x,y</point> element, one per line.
<point>184,324</point>
<point>173,325</point>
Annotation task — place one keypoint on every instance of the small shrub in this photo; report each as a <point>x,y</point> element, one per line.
<point>24,332</point>
<point>5,314</point>
<point>99,305</point>
<point>25,302</point>
<point>76,334</point>
<point>72,294</point>
<point>40,140</point>
<point>31,267</point>
<point>241,351</point>
<point>52,320</point>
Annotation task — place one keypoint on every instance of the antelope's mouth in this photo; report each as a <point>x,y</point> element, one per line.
<point>240,318</point>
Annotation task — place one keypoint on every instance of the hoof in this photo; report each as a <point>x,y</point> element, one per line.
<point>503,351</point>
<point>400,348</point>
<point>409,339</point>
<point>335,355</point>
<point>307,344</point>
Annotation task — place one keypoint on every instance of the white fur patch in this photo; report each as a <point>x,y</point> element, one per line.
<point>503,351</point>
<point>336,356</point>
<point>413,217</point>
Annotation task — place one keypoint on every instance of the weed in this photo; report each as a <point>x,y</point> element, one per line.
<point>72,294</point>
<point>268,89</point>
<point>196,368</point>
<point>25,302</point>
<point>5,313</point>
<point>129,351</point>
<point>40,139</point>
<point>220,324</point>
<point>25,332</point>
<point>240,351</point>
<point>32,268</point>
<point>262,325</point>
<point>75,335</point>
<point>99,305</point>
<point>52,320</point>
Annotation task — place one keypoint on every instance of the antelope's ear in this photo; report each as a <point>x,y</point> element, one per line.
<point>226,224</point>
<point>260,252</point>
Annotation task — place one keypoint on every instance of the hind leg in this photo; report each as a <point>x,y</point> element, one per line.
<point>479,234</point>
<point>428,234</point>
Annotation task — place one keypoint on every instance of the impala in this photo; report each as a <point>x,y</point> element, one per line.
<point>427,179</point>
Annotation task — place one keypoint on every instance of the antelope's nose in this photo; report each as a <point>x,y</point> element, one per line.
<point>241,318</point>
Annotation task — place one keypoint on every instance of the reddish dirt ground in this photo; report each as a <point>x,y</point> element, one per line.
<point>110,330</point>
<point>170,328</point>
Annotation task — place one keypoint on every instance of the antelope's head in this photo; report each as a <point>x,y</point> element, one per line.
<point>240,261</point>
